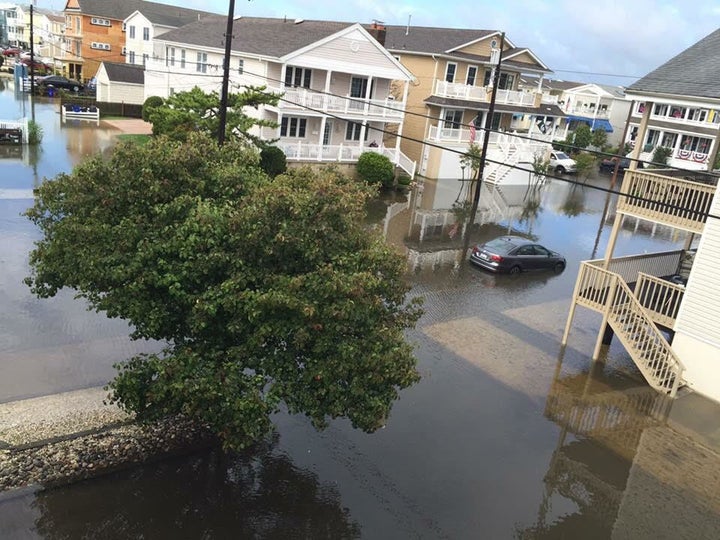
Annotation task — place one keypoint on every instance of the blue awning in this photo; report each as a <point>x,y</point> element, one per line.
<point>597,123</point>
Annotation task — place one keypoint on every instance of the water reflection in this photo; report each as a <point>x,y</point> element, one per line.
<point>256,494</point>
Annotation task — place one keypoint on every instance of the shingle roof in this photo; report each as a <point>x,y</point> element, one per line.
<point>427,39</point>
<point>125,73</point>
<point>162,14</point>
<point>255,35</point>
<point>692,73</point>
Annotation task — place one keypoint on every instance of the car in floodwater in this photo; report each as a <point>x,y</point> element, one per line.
<point>58,81</point>
<point>608,165</point>
<point>514,254</point>
<point>561,163</point>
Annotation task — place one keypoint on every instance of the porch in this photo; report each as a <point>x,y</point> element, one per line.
<point>482,94</point>
<point>342,153</point>
<point>304,100</point>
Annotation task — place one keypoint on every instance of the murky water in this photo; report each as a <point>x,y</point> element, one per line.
<point>506,436</point>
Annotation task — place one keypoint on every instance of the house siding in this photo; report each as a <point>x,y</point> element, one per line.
<point>414,126</point>
<point>697,331</point>
<point>481,48</point>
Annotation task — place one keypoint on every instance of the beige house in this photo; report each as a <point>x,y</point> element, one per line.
<point>450,98</point>
<point>665,307</point>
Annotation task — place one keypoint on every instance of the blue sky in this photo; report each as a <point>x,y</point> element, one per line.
<point>574,38</point>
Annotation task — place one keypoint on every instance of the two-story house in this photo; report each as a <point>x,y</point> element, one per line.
<point>152,20</point>
<point>448,103</point>
<point>684,110</point>
<point>335,79</point>
<point>599,106</point>
<point>15,25</point>
<point>665,307</point>
<point>95,31</point>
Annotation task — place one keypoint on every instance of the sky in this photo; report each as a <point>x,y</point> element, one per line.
<point>603,41</point>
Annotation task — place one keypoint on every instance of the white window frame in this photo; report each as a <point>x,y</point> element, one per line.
<point>146,33</point>
<point>293,127</point>
<point>291,74</point>
<point>170,56</point>
<point>353,131</point>
<point>201,66</point>
<point>97,45</point>
<point>131,57</point>
<point>474,77</point>
<point>447,72</point>
<point>131,32</point>
<point>241,66</point>
<point>182,58</point>
<point>99,22</point>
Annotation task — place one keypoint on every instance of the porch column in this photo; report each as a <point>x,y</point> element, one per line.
<point>595,113</point>
<point>623,186</point>
<point>323,123</point>
<point>398,138</point>
<point>326,97</point>
<point>283,71</point>
<point>368,97</point>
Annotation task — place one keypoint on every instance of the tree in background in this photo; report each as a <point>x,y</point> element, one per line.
<point>150,104</point>
<point>582,137</point>
<point>599,139</point>
<point>268,294</point>
<point>187,112</point>
<point>376,169</point>
<point>584,163</point>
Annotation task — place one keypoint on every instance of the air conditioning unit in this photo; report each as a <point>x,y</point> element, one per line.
<point>124,51</point>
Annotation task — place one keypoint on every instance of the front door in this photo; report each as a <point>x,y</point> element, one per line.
<point>327,134</point>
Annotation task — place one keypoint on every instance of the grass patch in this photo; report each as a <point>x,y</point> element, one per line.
<point>137,139</point>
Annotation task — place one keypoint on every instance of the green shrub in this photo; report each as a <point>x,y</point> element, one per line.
<point>404,180</point>
<point>584,162</point>
<point>376,169</point>
<point>151,103</point>
<point>35,132</point>
<point>599,138</point>
<point>660,156</point>
<point>273,161</point>
<point>582,137</point>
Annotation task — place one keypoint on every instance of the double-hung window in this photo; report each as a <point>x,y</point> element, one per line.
<point>353,131</point>
<point>450,70</point>
<point>297,76</point>
<point>452,119</point>
<point>182,58</point>
<point>291,126</point>
<point>146,33</point>
<point>131,32</point>
<point>471,75</point>
<point>201,64</point>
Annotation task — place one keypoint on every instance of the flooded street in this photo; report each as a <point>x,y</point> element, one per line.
<point>508,435</point>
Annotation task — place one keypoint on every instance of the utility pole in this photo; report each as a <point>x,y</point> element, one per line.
<point>486,138</point>
<point>32,56</point>
<point>226,73</point>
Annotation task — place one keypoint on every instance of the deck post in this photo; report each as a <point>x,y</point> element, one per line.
<point>606,315</point>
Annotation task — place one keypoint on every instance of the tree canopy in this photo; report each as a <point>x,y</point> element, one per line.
<point>195,110</point>
<point>268,293</point>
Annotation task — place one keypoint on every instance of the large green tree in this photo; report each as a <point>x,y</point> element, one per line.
<point>269,294</point>
<point>187,112</point>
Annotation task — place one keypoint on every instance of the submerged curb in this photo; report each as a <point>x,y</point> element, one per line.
<point>81,437</point>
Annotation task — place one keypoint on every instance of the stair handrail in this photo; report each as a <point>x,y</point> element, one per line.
<point>616,293</point>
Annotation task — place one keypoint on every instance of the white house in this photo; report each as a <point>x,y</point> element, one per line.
<point>16,19</point>
<point>665,307</point>
<point>335,80</point>
<point>598,106</point>
<point>151,21</point>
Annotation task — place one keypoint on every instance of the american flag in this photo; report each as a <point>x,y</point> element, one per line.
<point>472,132</point>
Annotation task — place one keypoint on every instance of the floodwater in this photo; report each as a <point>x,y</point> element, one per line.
<point>508,435</point>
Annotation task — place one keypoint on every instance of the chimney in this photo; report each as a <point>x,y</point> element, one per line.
<point>378,31</point>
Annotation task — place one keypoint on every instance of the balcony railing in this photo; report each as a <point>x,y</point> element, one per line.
<point>589,113</point>
<point>547,99</point>
<point>629,268</point>
<point>463,91</point>
<point>660,298</point>
<point>663,199</point>
<point>304,99</point>
<point>513,97</point>
<point>305,151</point>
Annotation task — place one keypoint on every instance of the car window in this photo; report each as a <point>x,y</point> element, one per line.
<point>499,244</point>
<point>525,250</point>
<point>539,250</point>
<point>561,155</point>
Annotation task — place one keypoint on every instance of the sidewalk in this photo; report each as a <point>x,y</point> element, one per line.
<point>131,126</point>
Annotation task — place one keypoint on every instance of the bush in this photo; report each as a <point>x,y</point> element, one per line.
<point>35,132</point>
<point>153,102</point>
<point>273,161</point>
<point>404,180</point>
<point>584,163</point>
<point>660,156</point>
<point>582,137</point>
<point>599,138</point>
<point>376,169</point>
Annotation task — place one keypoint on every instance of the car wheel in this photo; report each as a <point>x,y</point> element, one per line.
<point>560,169</point>
<point>515,270</point>
<point>559,267</point>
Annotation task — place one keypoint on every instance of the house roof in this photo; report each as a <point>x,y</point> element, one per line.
<point>427,39</point>
<point>125,73</point>
<point>256,35</point>
<point>436,40</point>
<point>162,14</point>
<point>692,73</point>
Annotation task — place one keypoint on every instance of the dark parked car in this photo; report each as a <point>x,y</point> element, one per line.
<point>608,165</point>
<point>513,254</point>
<point>57,81</point>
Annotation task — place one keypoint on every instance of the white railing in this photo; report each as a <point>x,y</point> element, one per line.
<point>457,90</point>
<point>605,291</point>
<point>663,199</point>
<point>514,97</point>
<point>660,298</point>
<point>9,128</point>
<point>588,113</point>
<point>547,99</point>
<point>304,99</point>
<point>304,151</point>
<point>663,263</point>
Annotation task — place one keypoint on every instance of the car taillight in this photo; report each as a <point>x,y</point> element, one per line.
<point>496,258</point>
